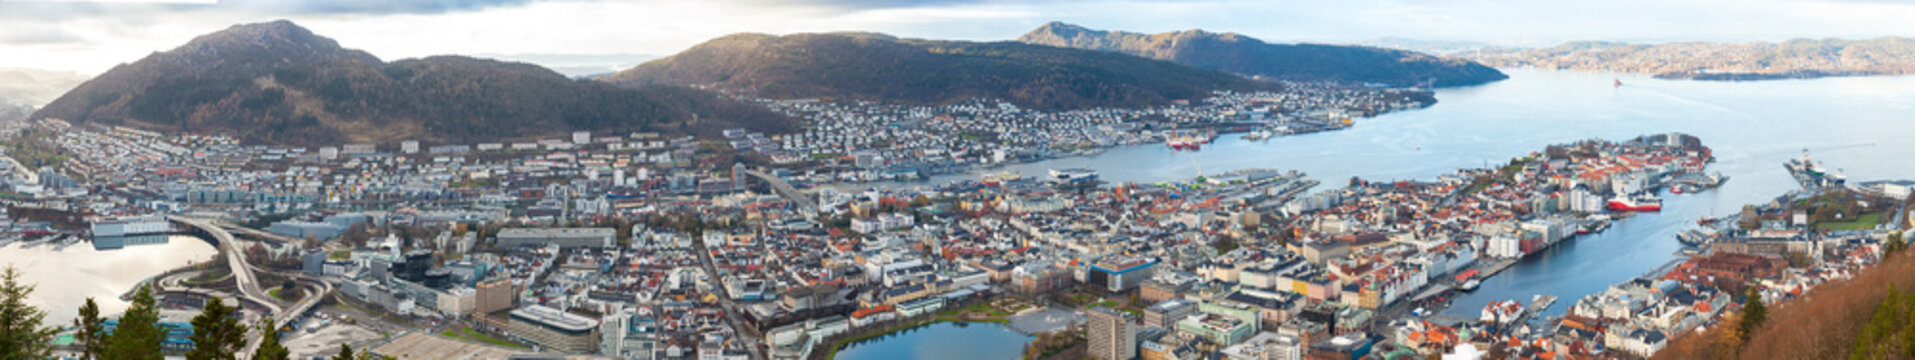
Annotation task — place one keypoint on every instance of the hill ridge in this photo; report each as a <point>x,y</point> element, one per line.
<point>1241,54</point>
<point>279,83</point>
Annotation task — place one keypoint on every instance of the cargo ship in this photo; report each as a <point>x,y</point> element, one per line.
<point>1812,174</point>
<point>1643,202</point>
<point>1186,142</point>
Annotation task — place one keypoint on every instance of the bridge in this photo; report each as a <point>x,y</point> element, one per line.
<point>783,188</point>
<point>261,235</point>
<point>246,281</point>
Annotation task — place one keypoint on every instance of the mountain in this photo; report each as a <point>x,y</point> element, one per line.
<point>1797,58</point>
<point>23,89</point>
<point>1236,53</point>
<point>866,66</point>
<point>278,83</point>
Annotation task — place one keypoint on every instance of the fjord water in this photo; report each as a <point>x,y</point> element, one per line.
<point>944,340</point>
<point>63,279</point>
<point>1862,125</point>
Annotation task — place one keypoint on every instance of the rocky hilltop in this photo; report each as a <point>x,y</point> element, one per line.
<point>278,83</point>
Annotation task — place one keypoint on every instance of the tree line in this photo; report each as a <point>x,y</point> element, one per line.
<point>138,335</point>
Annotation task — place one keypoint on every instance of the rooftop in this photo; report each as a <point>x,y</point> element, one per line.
<point>554,318</point>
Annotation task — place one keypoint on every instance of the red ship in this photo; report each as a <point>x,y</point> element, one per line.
<point>1639,203</point>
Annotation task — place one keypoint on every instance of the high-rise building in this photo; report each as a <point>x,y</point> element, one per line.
<point>738,176</point>
<point>1112,335</point>
<point>495,295</point>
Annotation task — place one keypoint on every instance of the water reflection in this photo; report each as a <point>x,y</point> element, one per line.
<point>64,279</point>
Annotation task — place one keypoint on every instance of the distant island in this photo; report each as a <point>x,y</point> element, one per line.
<point>1792,59</point>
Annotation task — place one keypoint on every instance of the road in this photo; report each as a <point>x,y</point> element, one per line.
<point>784,188</point>
<point>236,261</point>
<point>732,308</point>
<point>248,283</point>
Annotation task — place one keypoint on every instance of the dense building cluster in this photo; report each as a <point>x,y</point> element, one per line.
<point>642,246</point>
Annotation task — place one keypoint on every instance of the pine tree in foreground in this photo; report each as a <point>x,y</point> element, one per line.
<point>21,334</point>
<point>269,347</point>
<point>90,331</point>
<point>139,334</point>
<point>217,334</point>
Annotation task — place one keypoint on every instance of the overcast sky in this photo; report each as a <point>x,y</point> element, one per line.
<point>90,37</point>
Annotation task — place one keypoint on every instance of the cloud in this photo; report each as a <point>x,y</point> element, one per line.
<point>302,7</point>
<point>39,35</point>
<point>56,10</point>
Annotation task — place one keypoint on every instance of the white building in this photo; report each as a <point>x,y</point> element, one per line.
<point>131,226</point>
<point>1504,247</point>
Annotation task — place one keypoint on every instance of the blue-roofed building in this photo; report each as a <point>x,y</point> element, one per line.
<point>179,336</point>
<point>1121,273</point>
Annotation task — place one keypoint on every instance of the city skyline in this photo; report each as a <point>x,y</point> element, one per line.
<point>90,37</point>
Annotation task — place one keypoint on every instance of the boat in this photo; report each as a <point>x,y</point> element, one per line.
<point>1470,285</point>
<point>1692,238</point>
<point>1645,202</point>
<point>1073,175</point>
<point>1257,135</point>
<point>1184,143</point>
<point>1811,173</point>
<point>40,241</point>
<point>70,241</point>
<point>999,178</point>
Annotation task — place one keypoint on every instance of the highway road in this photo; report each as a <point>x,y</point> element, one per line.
<point>784,188</point>
<point>246,280</point>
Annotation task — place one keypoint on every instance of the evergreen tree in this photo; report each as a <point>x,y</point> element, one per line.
<point>345,352</point>
<point>21,334</point>
<point>90,331</point>
<point>217,334</point>
<point>138,336</point>
<point>1753,314</point>
<point>269,347</point>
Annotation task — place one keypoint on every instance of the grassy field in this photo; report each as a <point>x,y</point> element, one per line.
<point>210,277</point>
<point>468,334</point>
<point>287,296</point>
<point>1867,221</point>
